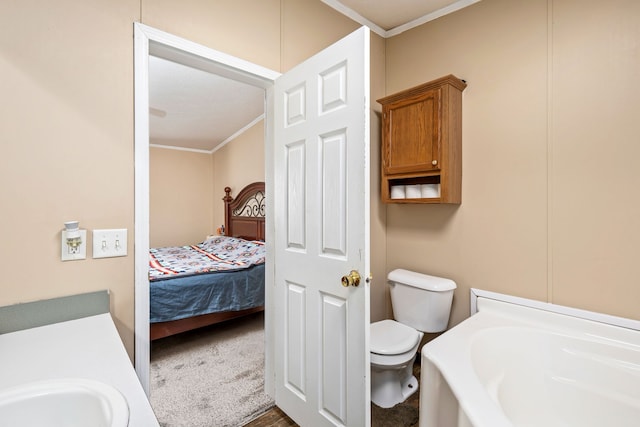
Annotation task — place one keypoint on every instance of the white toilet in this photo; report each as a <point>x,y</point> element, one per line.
<point>421,303</point>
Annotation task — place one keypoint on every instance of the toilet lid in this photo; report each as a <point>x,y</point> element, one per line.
<point>391,337</point>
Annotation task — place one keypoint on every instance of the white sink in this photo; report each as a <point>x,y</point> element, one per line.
<point>67,402</point>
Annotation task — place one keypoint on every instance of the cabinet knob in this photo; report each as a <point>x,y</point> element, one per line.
<point>434,162</point>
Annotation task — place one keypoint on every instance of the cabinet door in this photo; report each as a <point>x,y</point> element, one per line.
<point>412,134</point>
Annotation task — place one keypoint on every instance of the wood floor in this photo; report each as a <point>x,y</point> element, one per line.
<point>272,418</point>
<point>402,415</point>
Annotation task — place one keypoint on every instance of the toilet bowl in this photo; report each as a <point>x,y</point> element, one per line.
<point>393,351</point>
<point>421,303</point>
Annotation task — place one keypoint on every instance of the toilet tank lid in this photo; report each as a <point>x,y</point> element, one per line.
<point>422,281</point>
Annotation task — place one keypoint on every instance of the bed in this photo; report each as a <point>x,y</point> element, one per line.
<point>222,279</point>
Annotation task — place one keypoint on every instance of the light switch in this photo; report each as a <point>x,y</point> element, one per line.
<point>109,243</point>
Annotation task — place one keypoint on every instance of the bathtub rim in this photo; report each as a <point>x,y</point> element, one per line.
<point>607,319</point>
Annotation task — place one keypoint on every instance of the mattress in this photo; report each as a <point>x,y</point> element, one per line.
<point>220,274</point>
<point>188,296</point>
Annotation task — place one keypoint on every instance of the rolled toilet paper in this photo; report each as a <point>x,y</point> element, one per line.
<point>413,191</point>
<point>398,192</point>
<point>430,191</point>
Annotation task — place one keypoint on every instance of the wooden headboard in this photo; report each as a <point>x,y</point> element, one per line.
<point>244,214</point>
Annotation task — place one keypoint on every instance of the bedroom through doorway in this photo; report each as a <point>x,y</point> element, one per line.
<point>214,372</point>
<point>188,159</point>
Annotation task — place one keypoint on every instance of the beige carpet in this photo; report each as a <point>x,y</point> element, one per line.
<point>213,376</point>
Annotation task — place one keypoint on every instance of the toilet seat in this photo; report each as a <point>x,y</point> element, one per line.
<point>389,338</point>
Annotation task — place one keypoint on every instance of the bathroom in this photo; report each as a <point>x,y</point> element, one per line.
<point>546,212</point>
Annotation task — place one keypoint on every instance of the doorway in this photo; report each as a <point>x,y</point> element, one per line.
<point>150,41</point>
<point>338,76</point>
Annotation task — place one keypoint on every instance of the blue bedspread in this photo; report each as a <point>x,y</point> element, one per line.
<point>187,296</point>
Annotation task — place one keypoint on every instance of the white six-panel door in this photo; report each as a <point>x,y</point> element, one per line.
<point>321,196</point>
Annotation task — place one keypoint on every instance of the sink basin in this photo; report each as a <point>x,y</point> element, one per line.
<point>67,402</point>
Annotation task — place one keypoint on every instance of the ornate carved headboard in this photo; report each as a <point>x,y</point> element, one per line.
<point>244,214</point>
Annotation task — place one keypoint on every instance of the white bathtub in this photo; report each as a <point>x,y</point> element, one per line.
<point>522,363</point>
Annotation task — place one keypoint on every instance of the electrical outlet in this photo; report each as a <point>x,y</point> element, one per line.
<point>68,253</point>
<point>110,243</point>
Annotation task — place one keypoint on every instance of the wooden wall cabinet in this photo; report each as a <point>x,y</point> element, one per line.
<point>422,143</point>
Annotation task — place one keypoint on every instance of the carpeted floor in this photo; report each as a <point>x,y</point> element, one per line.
<point>212,376</point>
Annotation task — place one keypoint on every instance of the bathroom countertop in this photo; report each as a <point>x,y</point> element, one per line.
<point>89,348</point>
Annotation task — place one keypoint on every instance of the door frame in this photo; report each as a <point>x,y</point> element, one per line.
<point>150,41</point>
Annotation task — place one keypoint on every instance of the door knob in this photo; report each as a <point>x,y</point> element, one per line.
<point>351,279</point>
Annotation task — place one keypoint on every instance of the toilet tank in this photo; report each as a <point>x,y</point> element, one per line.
<point>421,301</point>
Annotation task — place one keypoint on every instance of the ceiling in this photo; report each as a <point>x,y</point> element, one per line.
<point>390,17</point>
<point>197,110</point>
<point>192,108</point>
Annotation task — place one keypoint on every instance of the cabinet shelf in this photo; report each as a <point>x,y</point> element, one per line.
<point>422,143</point>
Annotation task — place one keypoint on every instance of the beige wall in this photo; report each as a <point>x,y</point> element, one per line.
<point>237,164</point>
<point>180,197</point>
<point>380,304</point>
<point>67,121</point>
<point>248,29</point>
<point>549,200</point>
<point>67,146</point>
<point>308,26</point>
<point>594,175</point>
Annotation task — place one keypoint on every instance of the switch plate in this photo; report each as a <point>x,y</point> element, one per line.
<point>81,252</point>
<point>110,243</point>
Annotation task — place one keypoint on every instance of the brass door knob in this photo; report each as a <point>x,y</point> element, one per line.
<point>351,279</point>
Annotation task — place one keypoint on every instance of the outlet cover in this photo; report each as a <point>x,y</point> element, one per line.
<point>68,254</point>
<point>110,243</point>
